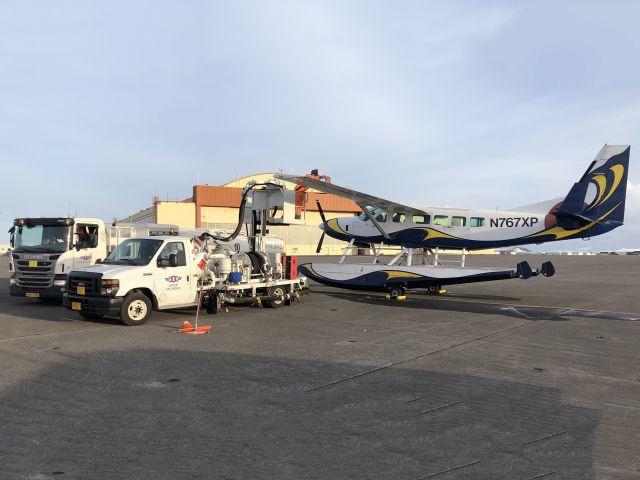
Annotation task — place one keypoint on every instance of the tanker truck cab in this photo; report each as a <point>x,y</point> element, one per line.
<point>45,250</point>
<point>140,275</point>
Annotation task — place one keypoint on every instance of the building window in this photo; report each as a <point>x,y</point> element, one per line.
<point>398,217</point>
<point>441,220</point>
<point>421,219</point>
<point>476,222</point>
<point>458,221</point>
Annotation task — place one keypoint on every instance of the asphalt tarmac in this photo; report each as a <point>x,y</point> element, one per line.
<point>535,379</point>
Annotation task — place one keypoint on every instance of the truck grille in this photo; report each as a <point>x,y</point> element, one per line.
<point>40,276</point>
<point>92,284</point>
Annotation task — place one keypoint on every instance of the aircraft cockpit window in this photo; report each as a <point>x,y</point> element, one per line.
<point>378,214</point>
<point>441,220</point>
<point>476,222</point>
<point>458,221</point>
<point>398,217</point>
<point>421,219</point>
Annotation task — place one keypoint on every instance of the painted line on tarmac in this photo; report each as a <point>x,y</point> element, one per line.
<point>454,298</point>
<point>417,357</point>
<point>6,339</point>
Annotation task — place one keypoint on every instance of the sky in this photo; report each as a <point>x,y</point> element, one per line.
<point>494,104</point>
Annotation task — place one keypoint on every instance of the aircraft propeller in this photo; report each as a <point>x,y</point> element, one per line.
<point>324,220</point>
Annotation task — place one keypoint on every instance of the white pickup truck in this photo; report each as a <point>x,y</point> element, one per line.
<point>167,272</point>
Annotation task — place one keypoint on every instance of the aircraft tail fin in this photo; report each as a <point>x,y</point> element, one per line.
<point>599,196</point>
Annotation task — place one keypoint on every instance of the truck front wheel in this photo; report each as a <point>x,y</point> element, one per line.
<point>136,309</point>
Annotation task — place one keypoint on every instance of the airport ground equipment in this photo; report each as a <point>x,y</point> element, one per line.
<point>397,279</point>
<point>209,269</point>
<point>45,250</point>
<point>168,272</point>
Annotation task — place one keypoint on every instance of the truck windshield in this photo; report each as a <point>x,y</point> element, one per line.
<point>134,251</point>
<point>42,238</point>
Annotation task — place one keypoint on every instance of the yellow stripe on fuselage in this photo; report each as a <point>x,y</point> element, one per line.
<point>561,233</point>
<point>333,225</point>
<point>431,233</point>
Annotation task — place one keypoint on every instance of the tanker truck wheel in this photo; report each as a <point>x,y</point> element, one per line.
<point>278,293</point>
<point>136,309</point>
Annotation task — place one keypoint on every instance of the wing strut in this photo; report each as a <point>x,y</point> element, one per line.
<point>373,220</point>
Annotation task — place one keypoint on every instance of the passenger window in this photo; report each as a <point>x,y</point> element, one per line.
<point>381,217</point>
<point>476,222</point>
<point>442,220</point>
<point>458,221</point>
<point>421,219</point>
<point>176,248</point>
<point>398,217</point>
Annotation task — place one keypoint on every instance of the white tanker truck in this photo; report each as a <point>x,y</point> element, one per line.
<point>167,272</point>
<point>210,269</point>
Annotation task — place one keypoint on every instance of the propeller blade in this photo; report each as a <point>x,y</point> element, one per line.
<point>320,243</point>
<point>321,211</point>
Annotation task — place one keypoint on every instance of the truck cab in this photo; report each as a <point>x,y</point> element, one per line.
<point>140,275</point>
<point>45,250</point>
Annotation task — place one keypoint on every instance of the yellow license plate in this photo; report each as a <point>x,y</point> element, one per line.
<point>81,291</point>
<point>76,306</point>
<point>33,263</point>
<point>33,294</point>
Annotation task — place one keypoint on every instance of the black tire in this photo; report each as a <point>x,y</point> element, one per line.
<point>136,309</point>
<point>91,316</point>
<point>433,289</point>
<point>279,292</point>
<point>396,292</point>
<point>213,304</point>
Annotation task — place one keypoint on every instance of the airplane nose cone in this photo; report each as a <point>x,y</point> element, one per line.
<point>323,226</point>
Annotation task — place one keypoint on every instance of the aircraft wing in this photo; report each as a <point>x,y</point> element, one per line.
<point>362,199</point>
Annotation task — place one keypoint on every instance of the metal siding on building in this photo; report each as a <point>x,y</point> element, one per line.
<point>211,208</point>
<point>208,196</point>
<point>211,196</point>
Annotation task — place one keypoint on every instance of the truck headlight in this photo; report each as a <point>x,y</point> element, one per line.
<point>59,283</point>
<point>12,280</point>
<point>110,287</point>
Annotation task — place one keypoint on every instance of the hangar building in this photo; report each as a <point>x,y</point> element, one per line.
<point>217,208</point>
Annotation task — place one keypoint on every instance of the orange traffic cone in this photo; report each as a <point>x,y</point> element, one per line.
<point>197,330</point>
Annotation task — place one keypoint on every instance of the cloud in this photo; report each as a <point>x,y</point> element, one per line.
<point>456,103</point>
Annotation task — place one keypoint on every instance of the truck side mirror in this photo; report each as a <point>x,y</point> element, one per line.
<point>173,260</point>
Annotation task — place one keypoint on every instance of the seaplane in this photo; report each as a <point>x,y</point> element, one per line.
<point>593,206</point>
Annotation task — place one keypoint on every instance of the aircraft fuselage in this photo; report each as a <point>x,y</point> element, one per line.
<point>442,227</point>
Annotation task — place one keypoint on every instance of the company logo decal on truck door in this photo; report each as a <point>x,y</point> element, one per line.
<point>173,282</point>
